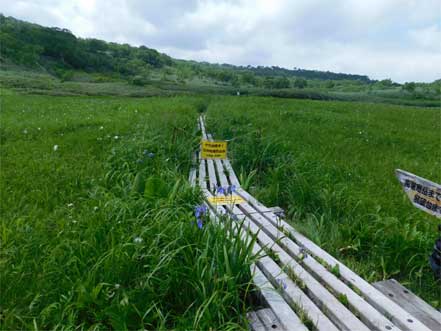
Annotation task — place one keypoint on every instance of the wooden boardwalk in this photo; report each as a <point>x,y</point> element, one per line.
<point>301,285</point>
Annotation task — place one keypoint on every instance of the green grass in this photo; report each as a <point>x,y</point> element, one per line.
<point>97,235</point>
<point>331,166</point>
<point>40,81</point>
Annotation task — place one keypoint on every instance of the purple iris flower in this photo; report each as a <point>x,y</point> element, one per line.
<point>200,224</point>
<point>200,211</point>
<point>231,189</point>
<point>220,190</point>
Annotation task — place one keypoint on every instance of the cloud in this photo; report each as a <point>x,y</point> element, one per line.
<point>400,39</point>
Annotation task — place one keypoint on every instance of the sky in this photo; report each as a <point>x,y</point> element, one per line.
<point>397,39</point>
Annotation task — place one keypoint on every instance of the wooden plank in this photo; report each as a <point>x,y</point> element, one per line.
<point>219,168</point>
<point>202,175</point>
<point>335,310</point>
<point>270,321</point>
<point>202,127</point>
<point>231,174</point>
<point>417,307</point>
<point>293,294</point>
<point>255,324</point>
<point>225,164</point>
<point>318,270</point>
<point>369,315</point>
<point>210,164</point>
<point>212,176</point>
<point>287,319</point>
<point>383,304</point>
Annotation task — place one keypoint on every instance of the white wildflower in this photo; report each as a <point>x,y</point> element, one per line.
<point>117,286</point>
<point>137,240</point>
<point>55,148</point>
<point>101,127</point>
<point>25,131</point>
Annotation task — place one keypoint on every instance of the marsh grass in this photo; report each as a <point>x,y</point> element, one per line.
<point>331,166</point>
<point>99,233</point>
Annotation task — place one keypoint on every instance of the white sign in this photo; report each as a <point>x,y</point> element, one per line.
<point>423,193</point>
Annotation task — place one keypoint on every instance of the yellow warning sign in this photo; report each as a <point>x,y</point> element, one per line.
<point>214,149</point>
<point>226,200</point>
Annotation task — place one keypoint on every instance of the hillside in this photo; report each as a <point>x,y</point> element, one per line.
<point>38,59</point>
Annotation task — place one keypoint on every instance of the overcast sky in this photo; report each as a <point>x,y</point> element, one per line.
<point>398,39</point>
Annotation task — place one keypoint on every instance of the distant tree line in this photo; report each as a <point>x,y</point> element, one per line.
<point>61,53</point>
<point>31,44</point>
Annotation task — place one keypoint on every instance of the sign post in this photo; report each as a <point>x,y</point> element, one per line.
<point>425,195</point>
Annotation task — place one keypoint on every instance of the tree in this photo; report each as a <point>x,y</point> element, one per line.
<point>300,83</point>
<point>268,82</point>
<point>330,84</point>
<point>409,86</point>
<point>282,82</point>
<point>386,82</point>
<point>248,78</point>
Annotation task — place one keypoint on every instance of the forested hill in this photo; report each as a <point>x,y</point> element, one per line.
<point>59,51</point>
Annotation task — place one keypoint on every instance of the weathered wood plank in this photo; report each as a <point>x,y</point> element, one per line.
<point>383,304</point>
<point>202,175</point>
<point>213,184</point>
<point>212,176</point>
<point>273,298</point>
<point>271,322</point>
<point>219,168</point>
<point>287,319</point>
<point>255,324</point>
<point>372,308</point>
<point>202,127</point>
<point>336,311</point>
<point>411,303</point>
<point>369,315</point>
<point>231,174</point>
<point>293,294</point>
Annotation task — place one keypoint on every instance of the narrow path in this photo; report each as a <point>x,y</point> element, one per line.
<point>303,286</point>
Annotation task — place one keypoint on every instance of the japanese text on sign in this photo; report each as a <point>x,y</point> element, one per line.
<point>423,193</point>
<point>214,149</point>
<point>226,200</point>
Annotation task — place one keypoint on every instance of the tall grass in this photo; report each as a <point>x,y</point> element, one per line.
<point>98,232</point>
<point>331,166</point>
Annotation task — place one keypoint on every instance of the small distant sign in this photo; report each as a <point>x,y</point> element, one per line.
<point>226,200</point>
<point>214,149</point>
<point>423,193</point>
